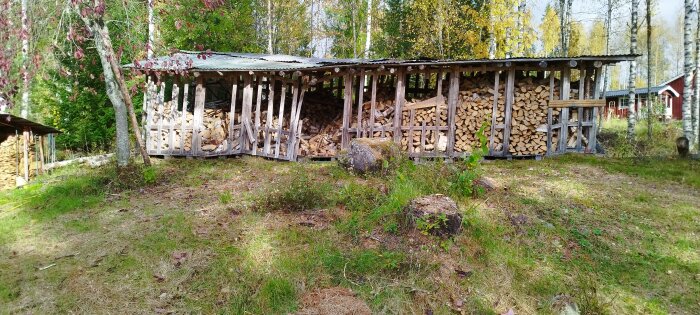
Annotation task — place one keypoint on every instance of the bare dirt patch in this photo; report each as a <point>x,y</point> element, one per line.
<point>335,300</point>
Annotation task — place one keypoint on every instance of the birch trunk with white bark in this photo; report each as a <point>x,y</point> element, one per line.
<point>650,96</point>
<point>688,71</point>
<point>24,107</point>
<point>368,29</point>
<point>696,91</point>
<point>631,110</point>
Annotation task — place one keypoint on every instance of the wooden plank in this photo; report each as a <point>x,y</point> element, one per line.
<point>452,96</point>
<point>437,101</point>
<point>422,138</point>
<point>161,106</point>
<point>232,115</point>
<point>510,94</point>
<point>258,103</point>
<point>292,121</point>
<point>270,109</point>
<point>297,134</point>
<point>373,105</point>
<point>564,116</point>
<point>25,153</point>
<point>360,100</point>
<point>409,138</point>
<point>399,100</point>
<point>494,113</point>
<point>438,93</point>
<point>280,120</point>
<point>41,155</point>
<point>183,117</point>
<point>246,112</point>
<point>592,136</point>
<point>576,103</point>
<point>174,102</point>
<point>347,111</point>
<point>199,97</point>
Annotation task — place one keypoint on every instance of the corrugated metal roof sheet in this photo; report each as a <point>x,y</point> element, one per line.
<point>229,61</point>
<point>11,123</point>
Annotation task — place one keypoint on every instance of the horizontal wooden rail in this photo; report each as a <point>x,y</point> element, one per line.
<point>576,103</point>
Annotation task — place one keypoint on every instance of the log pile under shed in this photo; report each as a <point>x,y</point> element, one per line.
<point>287,107</point>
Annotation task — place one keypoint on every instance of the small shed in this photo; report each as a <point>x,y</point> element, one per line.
<point>289,107</point>
<point>22,147</point>
<point>617,102</point>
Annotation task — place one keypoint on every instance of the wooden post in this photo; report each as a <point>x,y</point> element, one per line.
<point>399,100</point>
<point>173,109</point>
<point>579,120</point>
<point>452,96</point>
<point>270,109</point>
<point>373,105</point>
<point>592,136</point>
<point>510,93</point>
<point>299,123</point>
<point>41,154</point>
<point>161,106</point>
<point>232,117</point>
<point>494,113</point>
<point>550,112</point>
<point>292,120</point>
<point>183,117</point>
<point>564,116</point>
<point>280,119</point>
<point>246,110</point>
<point>347,107</point>
<point>258,102</point>
<point>360,99</point>
<point>198,116</point>
<point>25,153</point>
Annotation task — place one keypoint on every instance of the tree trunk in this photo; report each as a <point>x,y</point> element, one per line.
<point>696,91</point>
<point>24,108</point>
<point>368,38</point>
<point>650,96</point>
<point>151,30</point>
<point>269,27</point>
<point>631,111</point>
<point>688,71</point>
<point>608,20</point>
<point>115,97</point>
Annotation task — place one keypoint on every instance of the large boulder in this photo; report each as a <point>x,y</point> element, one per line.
<point>368,155</point>
<point>435,214</point>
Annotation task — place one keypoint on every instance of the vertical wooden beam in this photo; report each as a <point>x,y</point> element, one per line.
<point>579,120</point>
<point>41,154</point>
<point>452,96</point>
<point>494,113</point>
<point>347,111</point>
<point>258,103</point>
<point>510,94</point>
<point>161,106</point>
<point>299,123</point>
<point>564,116</point>
<point>183,117</point>
<point>439,94</point>
<point>292,120</point>
<point>198,116</point>
<point>550,112</point>
<point>25,153</point>
<point>592,136</point>
<point>360,99</point>
<point>399,101</point>
<point>270,109</point>
<point>174,102</point>
<point>373,105</point>
<point>246,110</point>
<point>280,119</point>
<point>232,117</point>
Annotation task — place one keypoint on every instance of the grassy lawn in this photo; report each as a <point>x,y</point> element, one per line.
<point>255,236</point>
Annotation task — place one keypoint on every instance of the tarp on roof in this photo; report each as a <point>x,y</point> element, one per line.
<point>10,123</point>
<point>230,61</point>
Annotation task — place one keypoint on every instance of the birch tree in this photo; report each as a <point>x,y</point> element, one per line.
<point>631,110</point>
<point>551,31</point>
<point>151,30</point>
<point>696,91</point>
<point>650,96</point>
<point>688,72</point>
<point>24,109</point>
<point>368,29</point>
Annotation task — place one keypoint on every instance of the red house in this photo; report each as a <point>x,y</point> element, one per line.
<point>669,93</point>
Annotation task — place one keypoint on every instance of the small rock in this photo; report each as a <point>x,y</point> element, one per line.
<point>486,183</point>
<point>435,214</point>
<point>369,154</point>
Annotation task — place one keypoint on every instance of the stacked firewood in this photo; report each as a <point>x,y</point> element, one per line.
<point>12,160</point>
<point>474,109</point>
<point>420,117</point>
<point>528,134</point>
<point>213,133</point>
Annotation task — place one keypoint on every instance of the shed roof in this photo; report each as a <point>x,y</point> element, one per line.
<point>231,61</point>
<point>11,123</point>
<point>643,91</point>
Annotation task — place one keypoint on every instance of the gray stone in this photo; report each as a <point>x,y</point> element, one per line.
<point>368,155</point>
